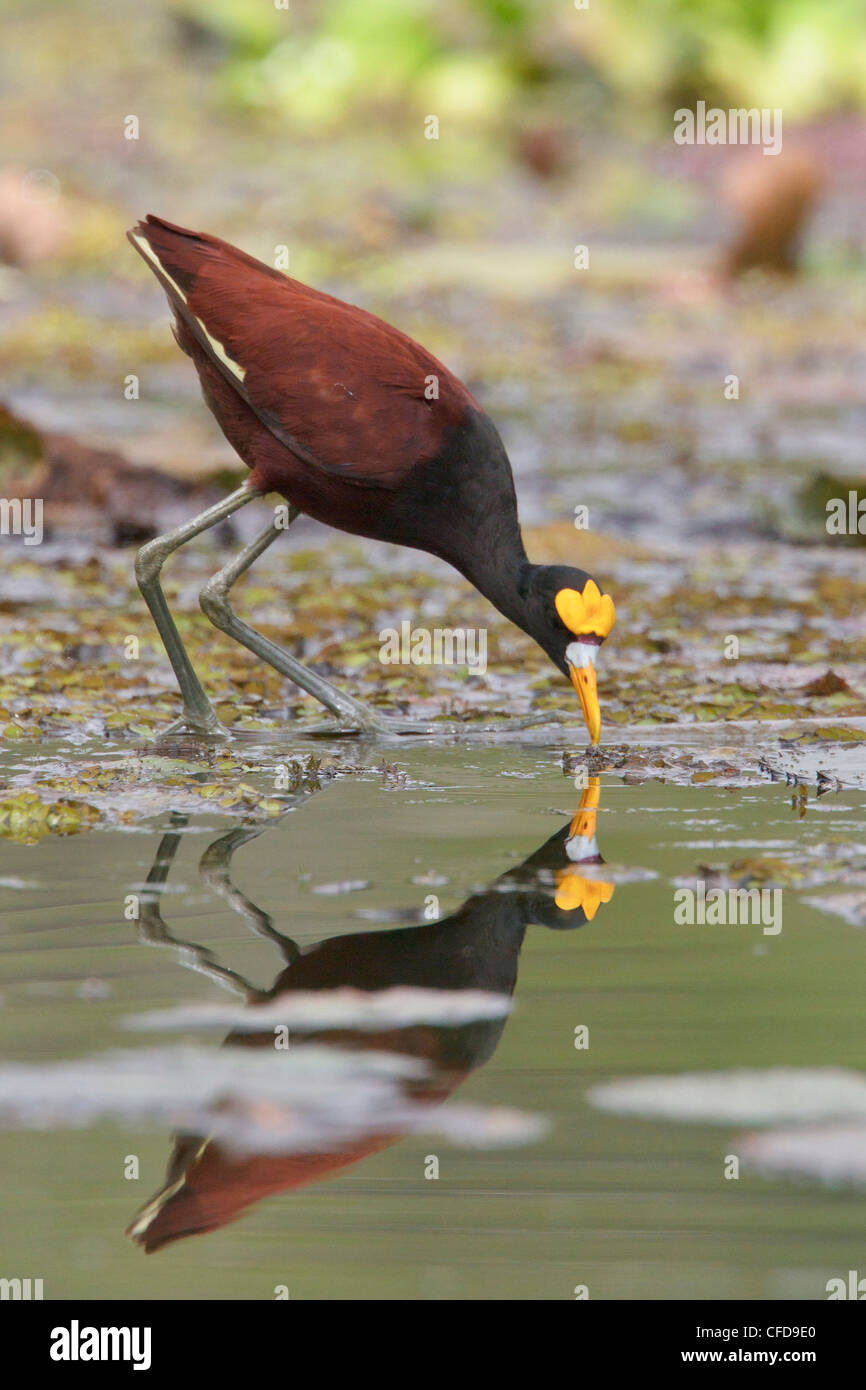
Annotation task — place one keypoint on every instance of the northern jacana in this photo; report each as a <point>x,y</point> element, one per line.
<point>356,425</point>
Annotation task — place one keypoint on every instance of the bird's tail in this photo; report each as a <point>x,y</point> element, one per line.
<point>178,255</point>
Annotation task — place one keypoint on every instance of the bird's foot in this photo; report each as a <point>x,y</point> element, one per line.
<point>375,725</point>
<point>193,725</point>
<point>358,721</point>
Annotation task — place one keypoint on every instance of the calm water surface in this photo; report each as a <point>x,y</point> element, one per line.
<point>477,871</point>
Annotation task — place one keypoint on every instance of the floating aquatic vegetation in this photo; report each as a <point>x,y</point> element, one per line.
<point>54,798</point>
<point>25,817</point>
<point>68,664</point>
<point>301,1101</point>
<point>348,885</point>
<point>317,1010</point>
<point>851,907</point>
<point>833,1154</point>
<point>776,1095</point>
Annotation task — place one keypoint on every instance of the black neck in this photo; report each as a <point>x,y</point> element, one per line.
<point>501,572</point>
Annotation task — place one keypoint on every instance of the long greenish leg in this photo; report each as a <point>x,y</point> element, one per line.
<point>198,713</point>
<point>215,604</point>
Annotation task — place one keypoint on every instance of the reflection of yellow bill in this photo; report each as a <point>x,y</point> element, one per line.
<point>584,822</point>
<point>573,891</point>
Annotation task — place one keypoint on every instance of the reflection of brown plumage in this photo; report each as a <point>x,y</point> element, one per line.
<point>477,947</point>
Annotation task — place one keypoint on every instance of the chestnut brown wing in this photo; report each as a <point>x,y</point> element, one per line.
<point>340,388</point>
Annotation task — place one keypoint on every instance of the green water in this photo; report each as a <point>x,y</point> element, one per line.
<point>631,1208</point>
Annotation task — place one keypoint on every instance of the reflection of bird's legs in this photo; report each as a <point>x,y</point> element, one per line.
<point>215,870</point>
<point>152,930</point>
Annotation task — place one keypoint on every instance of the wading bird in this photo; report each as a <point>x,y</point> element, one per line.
<point>358,426</point>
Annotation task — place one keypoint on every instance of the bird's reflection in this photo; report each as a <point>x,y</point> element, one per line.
<point>475,948</point>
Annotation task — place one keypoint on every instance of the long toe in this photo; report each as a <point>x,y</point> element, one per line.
<point>393,726</point>
<point>190,726</point>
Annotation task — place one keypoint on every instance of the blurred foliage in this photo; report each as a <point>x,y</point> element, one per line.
<point>323,63</point>
<point>319,63</point>
<point>806,58</point>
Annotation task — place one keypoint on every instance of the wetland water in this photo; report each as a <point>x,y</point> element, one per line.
<point>315,1174</point>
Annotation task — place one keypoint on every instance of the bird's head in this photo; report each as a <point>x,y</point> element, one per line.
<point>572,619</point>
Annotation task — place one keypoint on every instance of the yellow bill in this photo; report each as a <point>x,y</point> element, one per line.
<point>581,668</point>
